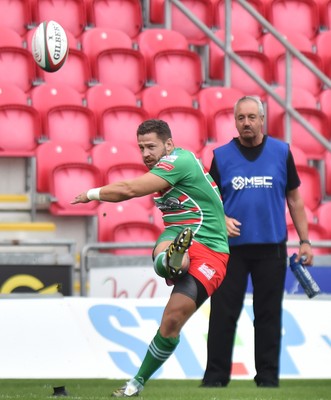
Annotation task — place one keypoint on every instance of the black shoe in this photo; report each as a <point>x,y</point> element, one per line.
<point>209,384</point>
<point>266,384</point>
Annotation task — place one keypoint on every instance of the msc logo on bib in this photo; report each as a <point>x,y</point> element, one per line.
<point>241,182</point>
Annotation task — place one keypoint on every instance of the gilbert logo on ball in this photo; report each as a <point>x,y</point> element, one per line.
<point>50,46</point>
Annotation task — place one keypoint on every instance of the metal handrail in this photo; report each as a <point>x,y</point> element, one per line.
<point>84,268</point>
<point>234,57</point>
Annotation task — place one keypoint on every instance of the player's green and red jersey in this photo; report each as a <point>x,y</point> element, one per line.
<point>192,199</point>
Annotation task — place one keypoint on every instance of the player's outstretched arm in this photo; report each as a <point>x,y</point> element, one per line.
<point>124,190</point>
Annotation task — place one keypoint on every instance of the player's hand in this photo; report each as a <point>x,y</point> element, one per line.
<point>232,226</point>
<point>81,198</point>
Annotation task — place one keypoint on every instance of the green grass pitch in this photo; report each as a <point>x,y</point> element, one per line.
<point>159,389</point>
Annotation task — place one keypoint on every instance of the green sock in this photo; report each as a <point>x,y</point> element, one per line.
<point>159,350</point>
<point>160,265</point>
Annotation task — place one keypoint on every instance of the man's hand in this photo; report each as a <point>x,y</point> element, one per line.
<point>81,198</point>
<point>232,227</point>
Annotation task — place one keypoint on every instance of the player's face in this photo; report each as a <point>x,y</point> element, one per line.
<point>153,149</point>
<point>249,123</point>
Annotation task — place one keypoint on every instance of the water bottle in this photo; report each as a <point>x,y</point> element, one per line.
<point>304,277</point>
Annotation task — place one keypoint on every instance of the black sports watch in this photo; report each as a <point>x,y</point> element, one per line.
<point>305,241</point>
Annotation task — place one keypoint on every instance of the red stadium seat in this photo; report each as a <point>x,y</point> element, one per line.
<point>310,187</point>
<point>152,41</point>
<point>169,59</point>
<point>156,98</point>
<point>107,154</point>
<point>323,40</point>
<point>174,105</point>
<point>203,10</point>
<point>97,39</point>
<point>311,218</point>
<point>327,161</point>
<point>273,48</point>
<point>300,157</point>
<point>51,154</point>
<point>10,38</point>
<point>17,66</point>
<point>324,101</point>
<point>113,58</point>
<point>64,117</point>
<point>16,15</point>
<point>63,171</point>
<point>301,76</point>
<point>301,138</point>
<point>70,14</point>
<point>75,72</point>
<point>173,65</point>
<point>20,123</point>
<point>300,98</point>
<point>188,126</point>
<point>66,181</point>
<point>324,217</point>
<point>121,123</point>
<point>207,153</point>
<point>126,222</point>
<point>224,128</point>
<point>247,22</point>
<point>316,232</point>
<point>124,15</point>
<point>109,97</point>
<point>119,161</point>
<point>214,99</point>
<point>295,15</point>
<point>247,48</point>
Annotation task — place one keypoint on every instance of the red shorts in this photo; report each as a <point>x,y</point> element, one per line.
<point>207,265</point>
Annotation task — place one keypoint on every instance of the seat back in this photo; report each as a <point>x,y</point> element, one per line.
<point>75,72</point>
<point>201,9</point>
<point>124,15</point>
<point>67,181</point>
<point>152,41</point>
<point>70,14</point>
<point>316,232</point>
<point>18,67</point>
<point>64,117</point>
<point>324,217</point>
<point>156,98</point>
<point>188,126</point>
<point>310,187</point>
<point>51,154</point>
<point>121,66</point>
<point>214,99</point>
<point>295,15</point>
<point>121,123</point>
<point>16,15</point>
<point>247,22</point>
<point>20,127</point>
<point>173,65</point>
<point>126,222</point>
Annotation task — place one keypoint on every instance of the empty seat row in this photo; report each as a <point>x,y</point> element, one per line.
<point>74,15</point>
<point>112,113</point>
<point>305,16</point>
<point>108,56</point>
<point>63,171</point>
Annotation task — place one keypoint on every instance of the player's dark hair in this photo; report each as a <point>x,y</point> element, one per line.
<point>161,128</point>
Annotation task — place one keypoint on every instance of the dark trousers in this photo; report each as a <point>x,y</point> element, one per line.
<point>267,266</point>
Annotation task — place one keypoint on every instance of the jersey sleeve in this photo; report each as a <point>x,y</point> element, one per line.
<point>173,168</point>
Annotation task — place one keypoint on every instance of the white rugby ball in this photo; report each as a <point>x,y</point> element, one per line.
<point>50,46</point>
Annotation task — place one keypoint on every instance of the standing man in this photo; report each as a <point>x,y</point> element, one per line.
<point>256,176</point>
<point>194,239</point>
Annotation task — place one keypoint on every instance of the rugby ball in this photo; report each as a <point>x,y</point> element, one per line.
<point>50,46</point>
